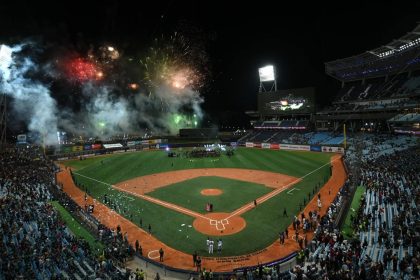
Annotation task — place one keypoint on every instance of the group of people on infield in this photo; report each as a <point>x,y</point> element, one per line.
<point>210,245</point>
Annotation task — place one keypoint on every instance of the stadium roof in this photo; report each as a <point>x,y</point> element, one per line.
<point>399,55</point>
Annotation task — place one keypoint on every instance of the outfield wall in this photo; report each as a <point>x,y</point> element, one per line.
<point>293,147</point>
<point>157,144</point>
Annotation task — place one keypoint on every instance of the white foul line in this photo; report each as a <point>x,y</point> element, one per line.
<point>275,192</point>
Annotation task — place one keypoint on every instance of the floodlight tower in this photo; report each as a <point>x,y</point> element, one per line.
<point>267,78</point>
<point>3,125</point>
<point>5,57</point>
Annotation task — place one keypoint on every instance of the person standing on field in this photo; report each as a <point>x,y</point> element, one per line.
<point>211,245</point>
<point>219,246</point>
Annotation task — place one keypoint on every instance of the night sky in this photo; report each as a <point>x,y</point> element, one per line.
<point>238,37</point>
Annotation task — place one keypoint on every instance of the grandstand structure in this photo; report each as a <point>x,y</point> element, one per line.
<point>380,92</point>
<point>380,89</point>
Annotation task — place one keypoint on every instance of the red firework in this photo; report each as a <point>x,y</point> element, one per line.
<point>83,70</point>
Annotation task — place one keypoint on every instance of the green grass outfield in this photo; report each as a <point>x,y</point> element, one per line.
<point>263,223</point>
<point>347,229</point>
<point>78,229</point>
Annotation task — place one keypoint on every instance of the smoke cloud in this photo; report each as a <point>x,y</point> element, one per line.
<point>106,109</point>
<point>31,100</point>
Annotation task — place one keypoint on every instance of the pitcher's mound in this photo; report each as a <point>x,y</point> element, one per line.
<point>217,224</point>
<point>211,192</point>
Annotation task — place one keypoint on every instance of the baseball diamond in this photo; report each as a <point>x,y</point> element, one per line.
<point>135,190</point>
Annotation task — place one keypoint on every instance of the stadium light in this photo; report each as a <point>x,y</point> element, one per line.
<point>266,73</point>
<point>5,55</point>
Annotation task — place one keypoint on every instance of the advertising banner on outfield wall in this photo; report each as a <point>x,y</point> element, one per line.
<point>294,147</point>
<point>257,145</point>
<point>77,148</point>
<point>96,146</point>
<point>328,149</point>
<point>116,145</point>
<point>66,149</point>
<point>87,147</point>
<point>315,148</point>
<point>265,145</point>
<point>274,146</point>
<point>151,141</point>
<point>249,144</point>
<point>131,143</point>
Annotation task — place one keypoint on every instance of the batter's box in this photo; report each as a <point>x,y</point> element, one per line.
<point>224,222</point>
<point>220,225</point>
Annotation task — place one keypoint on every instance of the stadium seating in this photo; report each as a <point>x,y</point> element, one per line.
<point>35,243</point>
<point>384,224</point>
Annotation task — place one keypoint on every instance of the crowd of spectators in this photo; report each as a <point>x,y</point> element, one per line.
<point>373,145</point>
<point>202,153</point>
<point>35,243</point>
<point>386,228</point>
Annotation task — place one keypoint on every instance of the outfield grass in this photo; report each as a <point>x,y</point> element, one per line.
<point>120,167</point>
<point>263,223</point>
<point>187,193</point>
<point>347,229</point>
<point>77,229</point>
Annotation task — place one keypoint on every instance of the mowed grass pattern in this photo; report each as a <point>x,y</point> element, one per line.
<point>263,223</point>
<point>188,193</point>
<point>120,167</point>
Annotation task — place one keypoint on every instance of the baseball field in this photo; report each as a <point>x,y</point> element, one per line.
<point>249,192</point>
<point>164,201</point>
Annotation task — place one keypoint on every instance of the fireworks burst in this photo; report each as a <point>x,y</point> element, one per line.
<point>109,53</point>
<point>81,70</point>
<point>133,86</point>
<point>175,63</point>
<point>182,78</point>
<point>93,66</point>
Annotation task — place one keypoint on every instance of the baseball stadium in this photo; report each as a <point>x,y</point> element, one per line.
<point>171,145</point>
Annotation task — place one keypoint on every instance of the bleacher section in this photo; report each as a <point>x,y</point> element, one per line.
<point>293,137</point>
<point>385,225</point>
<point>282,124</point>
<point>376,145</point>
<point>411,117</point>
<point>380,88</point>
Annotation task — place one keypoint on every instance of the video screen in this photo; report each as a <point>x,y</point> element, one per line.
<point>287,101</point>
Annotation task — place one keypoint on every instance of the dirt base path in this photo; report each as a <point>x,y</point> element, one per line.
<point>149,183</point>
<point>178,259</point>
